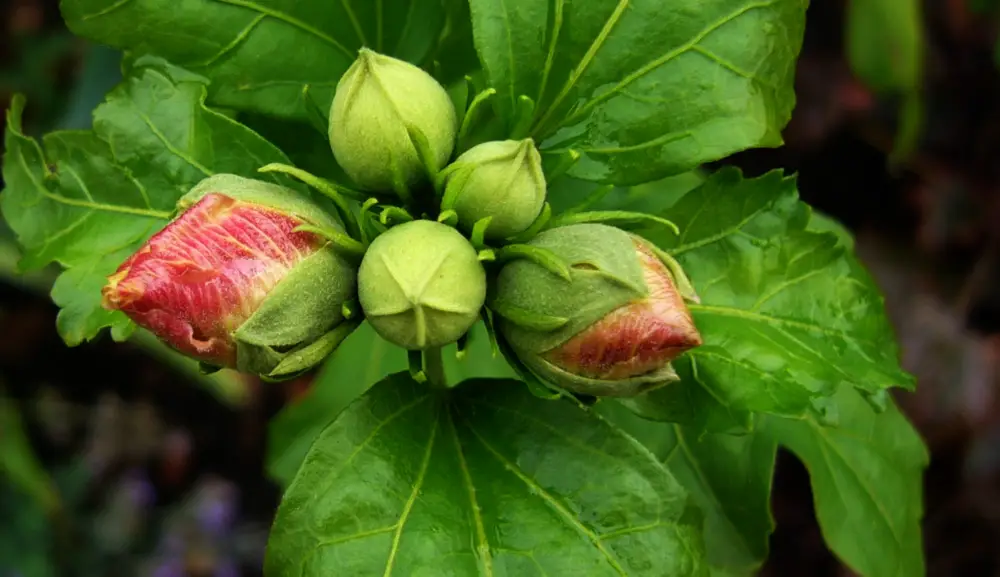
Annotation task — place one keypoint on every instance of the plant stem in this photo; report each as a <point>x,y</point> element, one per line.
<point>434,367</point>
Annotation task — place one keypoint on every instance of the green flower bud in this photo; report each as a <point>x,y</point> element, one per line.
<point>502,180</point>
<point>378,101</point>
<point>421,285</point>
<point>612,330</point>
<point>233,283</point>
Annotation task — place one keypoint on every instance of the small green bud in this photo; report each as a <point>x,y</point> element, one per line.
<point>500,179</point>
<point>378,101</point>
<point>612,329</point>
<point>421,285</point>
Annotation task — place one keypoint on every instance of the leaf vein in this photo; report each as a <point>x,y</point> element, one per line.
<point>291,21</point>
<point>665,58</point>
<point>408,506</point>
<point>551,501</point>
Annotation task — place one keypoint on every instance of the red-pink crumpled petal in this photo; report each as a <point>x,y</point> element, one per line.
<point>205,273</point>
<point>634,339</point>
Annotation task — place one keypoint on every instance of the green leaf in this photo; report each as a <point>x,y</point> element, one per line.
<point>689,402</point>
<point>261,55</point>
<point>642,88</point>
<point>18,462</point>
<point>787,315</point>
<point>90,198</point>
<point>728,477</point>
<point>866,482</point>
<point>483,480</point>
<point>362,360</point>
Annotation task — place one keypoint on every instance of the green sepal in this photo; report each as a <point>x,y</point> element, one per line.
<point>540,256</point>
<point>487,255</point>
<point>333,191</point>
<point>611,216</point>
<point>681,280</point>
<point>566,160</point>
<point>449,217</point>
<point>301,308</point>
<point>340,241</point>
<point>536,227</point>
<point>523,115</point>
<point>491,332</point>
<point>597,387</point>
<point>455,184</point>
<point>472,113</point>
<point>424,152</point>
<point>478,237</point>
<point>313,354</point>
<point>528,319</point>
<point>395,214</point>
<point>535,385</point>
<point>369,223</point>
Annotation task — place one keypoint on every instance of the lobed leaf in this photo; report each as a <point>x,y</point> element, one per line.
<point>644,88</point>
<point>90,198</point>
<point>787,315</point>
<point>262,55</point>
<point>729,478</point>
<point>867,482</point>
<point>484,480</point>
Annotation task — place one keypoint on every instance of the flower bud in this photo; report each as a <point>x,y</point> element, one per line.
<point>421,285</point>
<point>231,283</point>
<point>503,180</point>
<point>377,100</point>
<point>612,330</point>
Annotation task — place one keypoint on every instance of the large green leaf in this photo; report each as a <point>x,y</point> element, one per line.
<point>90,198</point>
<point>867,483</point>
<point>261,55</point>
<point>787,315</point>
<point>361,361</point>
<point>644,88</point>
<point>482,480</point>
<point>729,478</point>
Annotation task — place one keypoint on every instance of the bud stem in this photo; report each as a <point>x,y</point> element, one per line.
<point>434,368</point>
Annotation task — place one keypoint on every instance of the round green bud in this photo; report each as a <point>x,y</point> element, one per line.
<point>378,101</point>
<point>421,285</point>
<point>612,329</point>
<point>502,180</point>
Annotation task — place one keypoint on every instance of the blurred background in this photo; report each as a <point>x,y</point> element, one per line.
<point>123,461</point>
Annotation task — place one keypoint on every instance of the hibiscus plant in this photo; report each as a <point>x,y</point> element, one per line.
<point>548,341</point>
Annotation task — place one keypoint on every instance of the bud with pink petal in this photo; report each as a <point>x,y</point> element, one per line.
<point>612,329</point>
<point>231,282</point>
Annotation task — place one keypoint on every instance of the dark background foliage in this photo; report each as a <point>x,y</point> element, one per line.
<point>163,473</point>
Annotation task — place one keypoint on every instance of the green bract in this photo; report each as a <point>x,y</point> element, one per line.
<point>421,285</point>
<point>612,329</point>
<point>500,180</point>
<point>381,105</point>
